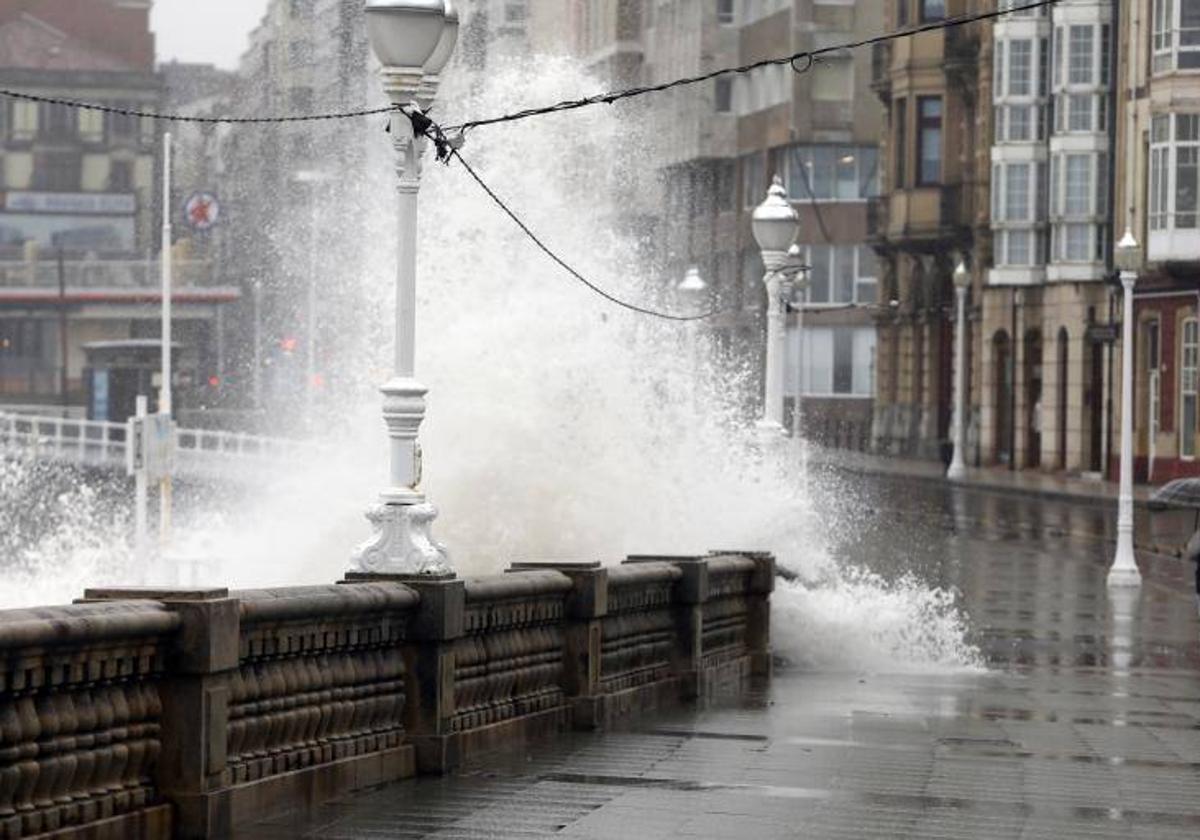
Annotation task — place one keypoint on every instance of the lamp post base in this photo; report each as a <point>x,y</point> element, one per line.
<point>957,471</point>
<point>403,543</point>
<point>770,428</point>
<point>1124,571</point>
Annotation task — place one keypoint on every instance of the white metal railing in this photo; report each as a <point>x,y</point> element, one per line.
<point>98,443</point>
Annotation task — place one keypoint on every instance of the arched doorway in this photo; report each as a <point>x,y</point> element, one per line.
<point>1033,398</point>
<point>1002,356</point>
<point>1064,368</point>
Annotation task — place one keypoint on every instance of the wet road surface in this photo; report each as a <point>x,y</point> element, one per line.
<point>1085,725</point>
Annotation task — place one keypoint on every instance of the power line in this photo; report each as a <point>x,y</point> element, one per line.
<point>185,118</point>
<point>562,263</point>
<point>807,56</point>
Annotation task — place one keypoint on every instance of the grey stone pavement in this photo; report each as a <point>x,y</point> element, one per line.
<point>1086,723</point>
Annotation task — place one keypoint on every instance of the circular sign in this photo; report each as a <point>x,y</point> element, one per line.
<point>202,210</point>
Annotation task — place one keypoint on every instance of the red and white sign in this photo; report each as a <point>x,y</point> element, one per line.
<point>202,210</point>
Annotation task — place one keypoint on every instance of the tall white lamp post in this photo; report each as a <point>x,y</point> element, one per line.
<point>1124,571</point>
<point>958,466</point>
<point>413,40</point>
<point>776,226</point>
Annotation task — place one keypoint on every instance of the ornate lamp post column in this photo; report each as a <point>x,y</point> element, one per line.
<point>407,36</point>
<point>776,226</point>
<point>958,466</point>
<point>1124,571</point>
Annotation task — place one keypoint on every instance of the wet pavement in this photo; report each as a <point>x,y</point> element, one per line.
<point>1086,723</point>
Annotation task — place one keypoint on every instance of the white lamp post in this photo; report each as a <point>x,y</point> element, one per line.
<point>1124,571</point>
<point>406,36</point>
<point>776,226</point>
<point>958,465</point>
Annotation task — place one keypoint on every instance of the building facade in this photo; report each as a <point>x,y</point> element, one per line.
<point>81,209</point>
<point>935,89</point>
<point>721,146</point>
<point>1157,189</point>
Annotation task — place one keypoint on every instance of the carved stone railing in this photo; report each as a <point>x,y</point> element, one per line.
<point>320,677</point>
<point>509,662</point>
<point>81,716</point>
<point>639,633</point>
<point>188,713</point>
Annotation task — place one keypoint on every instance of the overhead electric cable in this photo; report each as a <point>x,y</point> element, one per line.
<point>562,263</point>
<point>808,56</point>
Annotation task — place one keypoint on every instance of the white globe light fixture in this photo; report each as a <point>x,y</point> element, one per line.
<point>413,40</point>
<point>775,222</point>
<point>405,33</point>
<point>776,226</point>
<point>692,281</point>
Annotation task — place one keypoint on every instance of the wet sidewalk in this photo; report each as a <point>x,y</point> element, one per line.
<point>997,479</point>
<point>1085,724</point>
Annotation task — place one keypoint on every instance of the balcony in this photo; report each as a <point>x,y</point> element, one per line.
<point>106,275</point>
<point>920,215</point>
<point>1174,245</point>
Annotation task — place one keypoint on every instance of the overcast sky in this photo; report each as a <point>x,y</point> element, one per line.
<point>212,31</point>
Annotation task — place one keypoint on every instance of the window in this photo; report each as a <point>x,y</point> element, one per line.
<point>754,181</point>
<point>120,176</point>
<point>1080,68</point>
<point>1078,190</point>
<point>726,14</point>
<point>900,152</point>
<point>723,95</point>
<point>122,125</point>
<point>837,361</point>
<point>1016,189</point>
<point>832,173</point>
<point>56,121</point>
<point>1175,172</point>
<point>929,115</point>
<point>1189,351</point>
<point>902,12</point>
<point>1176,35</point>
<point>1080,110</point>
<point>933,10</point>
<point>841,275</point>
<point>1020,67</point>
<point>57,171</point>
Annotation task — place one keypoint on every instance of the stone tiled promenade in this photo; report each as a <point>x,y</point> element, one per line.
<point>1086,725</point>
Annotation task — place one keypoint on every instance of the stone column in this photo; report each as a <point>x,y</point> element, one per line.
<point>691,593</point>
<point>587,605</point>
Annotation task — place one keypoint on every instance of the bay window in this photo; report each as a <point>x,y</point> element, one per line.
<point>1176,35</point>
<point>1078,204</point>
<point>1175,172</point>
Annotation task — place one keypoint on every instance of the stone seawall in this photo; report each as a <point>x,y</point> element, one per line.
<point>156,714</point>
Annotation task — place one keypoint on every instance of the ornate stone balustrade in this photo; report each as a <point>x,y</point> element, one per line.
<point>638,644</point>
<point>185,713</point>
<point>509,662</point>
<point>80,716</point>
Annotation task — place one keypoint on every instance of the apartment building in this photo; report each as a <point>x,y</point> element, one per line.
<point>80,214</point>
<point>721,146</point>
<point>933,211</point>
<point>1157,189</point>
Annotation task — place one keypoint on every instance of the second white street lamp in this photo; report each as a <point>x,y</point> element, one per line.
<point>413,40</point>
<point>1124,571</point>
<point>962,283</point>
<point>776,226</point>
